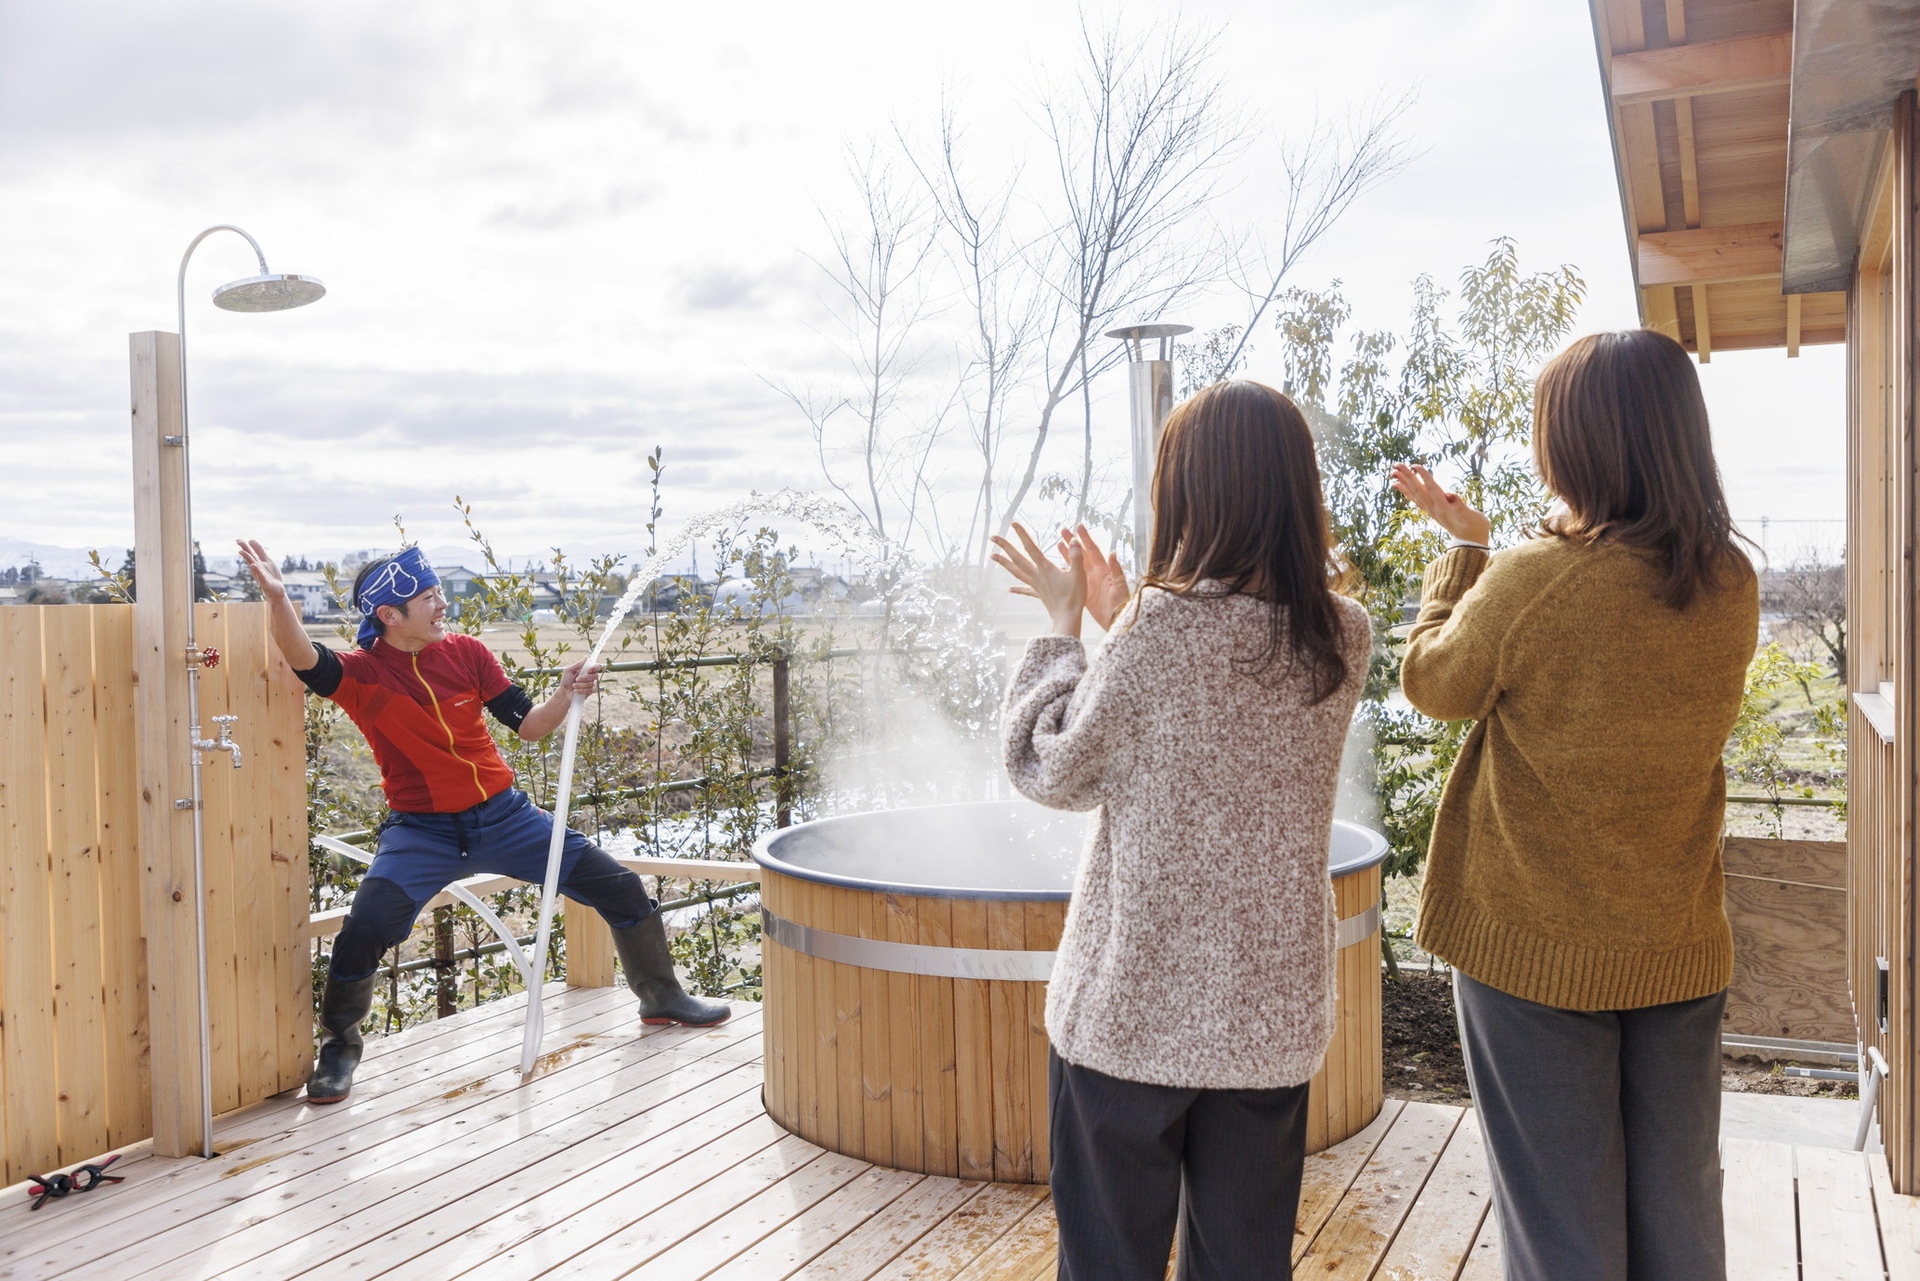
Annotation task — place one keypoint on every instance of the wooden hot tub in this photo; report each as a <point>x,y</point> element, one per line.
<point>906,956</point>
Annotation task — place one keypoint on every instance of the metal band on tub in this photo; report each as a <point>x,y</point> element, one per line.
<point>985,963</point>
<point>1357,928</point>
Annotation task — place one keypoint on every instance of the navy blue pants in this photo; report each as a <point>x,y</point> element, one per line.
<point>1130,1160</point>
<point>506,835</point>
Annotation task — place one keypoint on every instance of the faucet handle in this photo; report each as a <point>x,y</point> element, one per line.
<point>225,722</point>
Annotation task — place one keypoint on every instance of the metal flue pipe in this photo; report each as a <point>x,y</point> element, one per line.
<point>1150,390</point>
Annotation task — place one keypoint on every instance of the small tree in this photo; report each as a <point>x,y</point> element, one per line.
<point>1456,393</point>
<point>1812,596</point>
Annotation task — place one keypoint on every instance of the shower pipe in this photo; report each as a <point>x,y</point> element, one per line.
<point>264,292</point>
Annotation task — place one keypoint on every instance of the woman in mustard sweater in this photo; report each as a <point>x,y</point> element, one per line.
<point>1574,880</point>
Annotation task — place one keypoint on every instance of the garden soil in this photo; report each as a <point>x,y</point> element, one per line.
<point>1422,1062</point>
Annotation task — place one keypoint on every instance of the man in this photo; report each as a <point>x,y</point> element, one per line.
<point>417,692</point>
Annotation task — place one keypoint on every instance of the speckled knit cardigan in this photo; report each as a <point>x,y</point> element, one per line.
<point>1198,949</point>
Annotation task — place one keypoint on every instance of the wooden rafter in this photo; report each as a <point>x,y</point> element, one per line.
<point>1713,66</point>
<point>1793,325</point>
<point>1702,331</point>
<point>1706,255</point>
<point>1689,163</point>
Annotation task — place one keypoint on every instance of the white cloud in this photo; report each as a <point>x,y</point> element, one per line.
<point>557,235</point>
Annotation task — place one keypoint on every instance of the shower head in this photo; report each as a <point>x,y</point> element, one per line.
<point>273,292</point>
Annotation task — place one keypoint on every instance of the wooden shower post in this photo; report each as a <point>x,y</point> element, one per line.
<point>163,594</point>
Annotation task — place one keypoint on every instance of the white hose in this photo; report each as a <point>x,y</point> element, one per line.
<point>563,792</point>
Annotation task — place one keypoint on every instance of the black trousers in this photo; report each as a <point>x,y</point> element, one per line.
<point>1131,1159</point>
<point>1602,1131</point>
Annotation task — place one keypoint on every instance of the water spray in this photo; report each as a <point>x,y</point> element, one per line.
<point>825,516</point>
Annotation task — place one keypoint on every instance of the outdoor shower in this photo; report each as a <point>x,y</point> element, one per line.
<point>267,291</point>
<point>1150,389</point>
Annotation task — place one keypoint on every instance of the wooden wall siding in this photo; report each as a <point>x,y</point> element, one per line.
<point>1883,520</point>
<point>949,1077</point>
<point>74,1043</point>
<point>1787,901</point>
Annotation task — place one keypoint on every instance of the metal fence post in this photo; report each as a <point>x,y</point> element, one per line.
<point>444,983</point>
<point>782,745</point>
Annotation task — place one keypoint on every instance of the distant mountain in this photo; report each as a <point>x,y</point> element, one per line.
<point>71,562</point>
<point>60,562</point>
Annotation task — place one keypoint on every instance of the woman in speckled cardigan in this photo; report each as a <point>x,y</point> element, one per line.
<point>1193,994</point>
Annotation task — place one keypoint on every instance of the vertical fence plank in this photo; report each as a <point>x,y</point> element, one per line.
<point>217,790</point>
<point>26,942</point>
<point>256,924</point>
<point>73,838</point>
<point>284,747</point>
<point>123,942</point>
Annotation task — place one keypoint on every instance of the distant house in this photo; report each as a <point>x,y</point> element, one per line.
<point>309,591</point>
<point>459,584</point>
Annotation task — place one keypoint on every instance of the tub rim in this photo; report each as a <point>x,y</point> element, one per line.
<point>1373,856</point>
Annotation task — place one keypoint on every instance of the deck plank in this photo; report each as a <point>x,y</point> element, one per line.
<point>640,1241</point>
<point>1486,1262</point>
<point>967,1233</point>
<point>1839,1237</point>
<point>1363,1225</point>
<point>1757,1201</point>
<point>1029,1249</point>
<point>1439,1231</point>
<point>312,1234</point>
<point>870,1247</point>
<point>544,1245</point>
<point>496,1218</point>
<point>169,1191</point>
<point>809,1235</point>
<point>1899,1223</point>
<point>755,1222</point>
<point>285,1230</point>
<point>1329,1173</point>
<point>478,1218</point>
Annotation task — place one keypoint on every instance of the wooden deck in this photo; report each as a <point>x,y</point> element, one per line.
<point>646,1153</point>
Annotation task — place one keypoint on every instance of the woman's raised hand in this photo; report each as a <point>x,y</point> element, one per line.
<point>1106,581</point>
<point>1443,507</point>
<point>1063,590</point>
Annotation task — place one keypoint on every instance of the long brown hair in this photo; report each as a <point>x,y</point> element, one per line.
<point>1620,435</point>
<point>1236,499</point>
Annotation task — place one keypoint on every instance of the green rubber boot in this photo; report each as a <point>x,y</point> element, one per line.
<point>648,964</point>
<point>342,1008</point>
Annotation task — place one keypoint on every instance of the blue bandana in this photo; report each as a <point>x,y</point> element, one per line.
<point>394,583</point>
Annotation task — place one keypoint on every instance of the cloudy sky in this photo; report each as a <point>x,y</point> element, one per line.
<point>559,234</point>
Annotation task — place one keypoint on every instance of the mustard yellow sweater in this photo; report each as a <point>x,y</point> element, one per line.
<point>1576,855</point>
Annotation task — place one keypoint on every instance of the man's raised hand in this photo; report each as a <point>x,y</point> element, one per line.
<point>264,571</point>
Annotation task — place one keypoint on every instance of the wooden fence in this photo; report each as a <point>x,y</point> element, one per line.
<point>75,1044</point>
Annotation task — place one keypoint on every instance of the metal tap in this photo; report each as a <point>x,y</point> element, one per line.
<point>224,743</point>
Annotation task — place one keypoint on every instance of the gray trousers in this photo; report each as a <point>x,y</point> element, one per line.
<point>1602,1132</point>
<point>1129,1158</point>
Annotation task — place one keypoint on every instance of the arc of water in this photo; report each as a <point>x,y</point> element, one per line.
<point>824,515</point>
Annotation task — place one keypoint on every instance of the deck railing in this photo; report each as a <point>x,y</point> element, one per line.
<point>589,959</point>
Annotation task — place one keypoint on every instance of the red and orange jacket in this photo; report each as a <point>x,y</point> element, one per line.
<point>421,714</point>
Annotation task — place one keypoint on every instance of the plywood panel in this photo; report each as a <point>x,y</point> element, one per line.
<point>1790,936</point>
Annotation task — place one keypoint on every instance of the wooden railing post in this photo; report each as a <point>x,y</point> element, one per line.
<point>163,594</point>
<point>589,947</point>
